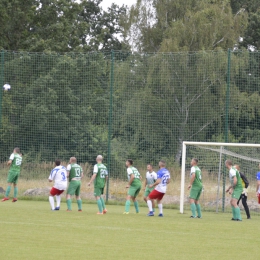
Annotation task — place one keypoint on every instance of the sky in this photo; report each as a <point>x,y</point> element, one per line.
<point>107,3</point>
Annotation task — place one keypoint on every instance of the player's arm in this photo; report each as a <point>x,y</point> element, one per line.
<point>192,178</point>
<point>92,178</point>
<point>145,183</point>
<point>10,159</point>
<point>245,180</point>
<point>132,177</point>
<point>158,181</point>
<point>9,162</point>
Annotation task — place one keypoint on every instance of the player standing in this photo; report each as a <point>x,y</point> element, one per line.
<point>235,189</point>
<point>15,162</point>
<point>59,176</point>
<point>196,188</point>
<point>134,185</point>
<point>163,178</point>
<point>74,173</point>
<point>99,177</point>
<point>151,178</point>
<point>258,185</point>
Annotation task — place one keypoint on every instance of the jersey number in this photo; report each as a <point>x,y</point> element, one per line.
<point>103,173</point>
<point>63,176</point>
<point>164,179</point>
<point>18,162</point>
<point>78,172</point>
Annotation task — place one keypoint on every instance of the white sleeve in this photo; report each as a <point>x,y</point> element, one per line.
<point>192,170</point>
<point>129,171</point>
<point>232,172</point>
<point>51,176</point>
<point>95,171</point>
<point>154,176</point>
<point>68,168</point>
<point>11,157</point>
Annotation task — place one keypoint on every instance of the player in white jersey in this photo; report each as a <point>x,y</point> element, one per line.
<point>163,178</point>
<point>59,176</point>
<point>151,177</point>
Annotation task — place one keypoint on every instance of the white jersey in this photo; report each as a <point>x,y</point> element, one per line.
<point>151,177</point>
<point>59,176</point>
<point>164,175</point>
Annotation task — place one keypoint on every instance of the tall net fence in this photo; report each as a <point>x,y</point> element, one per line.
<point>124,105</point>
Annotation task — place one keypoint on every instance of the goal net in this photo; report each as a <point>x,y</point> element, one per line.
<point>215,176</point>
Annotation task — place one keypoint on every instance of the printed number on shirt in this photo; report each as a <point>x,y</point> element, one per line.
<point>78,172</point>
<point>18,162</point>
<point>137,174</point>
<point>103,173</point>
<point>164,179</point>
<point>63,176</point>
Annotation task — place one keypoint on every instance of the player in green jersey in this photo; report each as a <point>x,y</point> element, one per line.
<point>74,173</point>
<point>15,162</point>
<point>196,188</point>
<point>235,189</point>
<point>134,186</point>
<point>99,178</point>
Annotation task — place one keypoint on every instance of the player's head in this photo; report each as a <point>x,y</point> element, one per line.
<point>129,162</point>
<point>228,163</point>
<point>162,164</point>
<point>149,167</point>
<point>16,150</point>
<point>99,158</point>
<point>237,167</point>
<point>57,162</point>
<point>73,160</point>
<point>194,161</point>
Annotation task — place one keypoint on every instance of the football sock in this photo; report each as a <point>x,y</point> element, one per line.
<point>238,215</point>
<point>79,204</point>
<point>51,200</point>
<point>99,203</point>
<point>69,204</point>
<point>15,192</point>
<point>136,207</point>
<point>233,212</point>
<point>198,210</point>
<point>7,191</point>
<point>149,204</point>
<point>160,207</point>
<point>58,200</point>
<point>127,205</point>
<point>193,209</point>
<point>103,203</point>
<point>153,210</point>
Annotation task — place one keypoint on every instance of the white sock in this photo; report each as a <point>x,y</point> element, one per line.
<point>58,200</point>
<point>150,206</point>
<point>51,200</point>
<point>160,208</point>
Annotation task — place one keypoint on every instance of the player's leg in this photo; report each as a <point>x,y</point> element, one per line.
<point>197,204</point>
<point>130,194</point>
<point>97,194</point>
<point>235,196</point>
<point>77,193</point>
<point>10,180</point>
<point>151,197</point>
<point>159,203</point>
<point>135,201</point>
<point>70,192</point>
<point>244,202</point>
<point>103,201</point>
<point>53,192</point>
<point>58,199</point>
<point>193,196</point>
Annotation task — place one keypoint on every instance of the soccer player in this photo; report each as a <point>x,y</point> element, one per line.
<point>163,178</point>
<point>134,186</point>
<point>74,173</point>
<point>195,187</point>
<point>258,185</point>
<point>99,177</point>
<point>235,189</point>
<point>15,162</point>
<point>151,178</point>
<point>59,176</point>
<point>243,197</point>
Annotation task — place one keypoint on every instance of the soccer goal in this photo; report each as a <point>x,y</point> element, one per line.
<point>215,176</point>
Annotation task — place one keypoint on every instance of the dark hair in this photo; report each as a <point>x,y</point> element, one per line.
<point>195,159</point>
<point>163,163</point>
<point>130,161</point>
<point>57,162</point>
<point>17,149</point>
<point>150,164</point>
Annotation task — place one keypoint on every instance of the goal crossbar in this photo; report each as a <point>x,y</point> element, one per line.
<point>185,143</point>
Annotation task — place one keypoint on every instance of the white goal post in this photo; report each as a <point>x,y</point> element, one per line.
<point>220,145</point>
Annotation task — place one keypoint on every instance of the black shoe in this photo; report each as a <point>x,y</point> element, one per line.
<point>238,219</point>
<point>199,217</point>
<point>248,217</point>
<point>192,217</point>
<point>233,219</point>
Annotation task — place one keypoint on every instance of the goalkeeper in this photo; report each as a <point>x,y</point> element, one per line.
<point>243,197</point>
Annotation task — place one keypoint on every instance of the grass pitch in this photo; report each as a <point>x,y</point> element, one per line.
<point>29,230</point>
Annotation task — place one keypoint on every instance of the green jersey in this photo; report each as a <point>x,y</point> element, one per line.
<point>132,170</point>
<point>16,163</point>
<point>75,171</point>
<point>232,173</point>
<point>197,183</point>
<point>101,173</point>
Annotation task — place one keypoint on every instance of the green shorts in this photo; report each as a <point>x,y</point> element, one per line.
<point>12,177</point>
<point>148,191</point>
<point>98,191</point>
<point>195,194</point>
<point>236,194</point>
<point>133,191</point>
<point>74,188</point>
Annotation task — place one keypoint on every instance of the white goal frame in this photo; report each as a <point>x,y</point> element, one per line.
<point>185,143</point>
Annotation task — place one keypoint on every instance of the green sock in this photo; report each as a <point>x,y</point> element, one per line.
<point>136,207</point>
<point>7,191</point>
<point>69,204</point>
<point>79,204</point>
<point>15,192</point>
<point>103,203</point>
<point>193,209</point>
<point>198,210</point>
<point>127,205</point>
<point>238,213</point>
<point>233,212</point>
<point>99,203</point>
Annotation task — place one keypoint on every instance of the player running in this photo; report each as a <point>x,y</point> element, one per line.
<point>151,178</point>
<point>196,188</point>
<point>99,177</point>
<point>74,173</point>
<point>235,189</point>
<point>134,185</point>
<point>59,176</point>
<point>163,178</point>
<point>15,162</point>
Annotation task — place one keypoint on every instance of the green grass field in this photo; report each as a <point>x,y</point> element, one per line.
<point>29,230</point>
